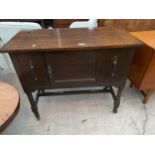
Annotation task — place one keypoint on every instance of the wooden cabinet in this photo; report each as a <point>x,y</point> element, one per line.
<point>142,71</point>
<point>72,69</point>
<point>130,25</point>
<point>69,58</point>
<point>65,23</point>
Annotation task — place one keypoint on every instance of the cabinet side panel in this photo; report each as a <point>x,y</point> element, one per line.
<point>139,65</point>
<point>16,66</point>
<point>31,70</point>
<point>114,67</point>
<point>149,76</point>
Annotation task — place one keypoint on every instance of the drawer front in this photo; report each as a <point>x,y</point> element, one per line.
<point>31,69</point>
<point>113,65</point>
<point>70,69</point>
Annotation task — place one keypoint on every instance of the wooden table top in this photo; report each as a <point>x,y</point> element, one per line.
<point>70,39</point>
<point>147,37</point>
<point>9,101</point>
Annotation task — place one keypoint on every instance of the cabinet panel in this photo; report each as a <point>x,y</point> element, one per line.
<point>139,65</point>
<point>113,65</point>
<point>148,81</point>
<point>31,69</point>
<point>72,68</point>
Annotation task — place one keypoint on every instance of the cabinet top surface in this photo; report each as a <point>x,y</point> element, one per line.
<point>70,39</point>
<point>147,37</point>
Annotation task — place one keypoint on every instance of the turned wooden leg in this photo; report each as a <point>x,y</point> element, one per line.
<point>106,88</point>
<point>147,96</point>
<point>34,106</point>
<point>43,91</point>
<point>131,84</point>
<point>117,98</point>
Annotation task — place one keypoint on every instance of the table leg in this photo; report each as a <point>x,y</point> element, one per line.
<point>131,84</point>
<point>147,96</point>
<point>117,98</point>
<point>34,106</point>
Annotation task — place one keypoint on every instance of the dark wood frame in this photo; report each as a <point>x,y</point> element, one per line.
<point>41,91</point>
<point>103,62</point>
<point>106,89</point>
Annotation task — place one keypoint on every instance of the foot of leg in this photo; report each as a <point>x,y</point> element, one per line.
<point>117,99</point>
<point>115,109</point>
<point>148,94</point>
<point>33,105</point>
<point>131,84</point>
<point>36,113</point>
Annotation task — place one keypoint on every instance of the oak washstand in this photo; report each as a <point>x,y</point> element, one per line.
<point>71,58</point>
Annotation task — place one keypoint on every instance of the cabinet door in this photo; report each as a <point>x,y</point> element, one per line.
<point>113,65</point>
<point>71,69</point>
<point>31,69</point>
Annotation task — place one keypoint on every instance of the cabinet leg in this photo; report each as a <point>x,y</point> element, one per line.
<point>34,106</point>
<point>131,85</point>
<point>117,98</point>
<point>43,91</point>
<point>147,96</point>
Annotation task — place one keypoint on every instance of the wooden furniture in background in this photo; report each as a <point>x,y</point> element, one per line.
<point>129,24</point>
<point>65,23</point>
<point>142,71</point>
<point>55,23</point>
<point>9,104</point>
<point>70,58</point>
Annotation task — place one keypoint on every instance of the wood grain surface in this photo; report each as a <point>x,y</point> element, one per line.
<point>70,39</point>
<point>131,25</point>
<point>142,70</point>
<point>9,100</point>
<point>147,37</point>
